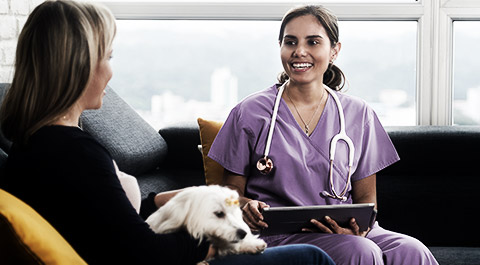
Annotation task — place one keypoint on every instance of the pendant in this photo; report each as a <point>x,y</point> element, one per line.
<point>306,129</point>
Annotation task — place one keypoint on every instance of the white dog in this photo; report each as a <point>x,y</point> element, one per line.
<point>211,213</point>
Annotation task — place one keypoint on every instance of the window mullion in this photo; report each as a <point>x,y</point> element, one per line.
<point>424,70</point>
<point>442,96</point>
<point>434,94</point>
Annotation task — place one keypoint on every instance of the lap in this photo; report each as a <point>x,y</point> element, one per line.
<point>379,247</point>
<point>343,249</point>
<point>397,247</point>
<point>327,242</point>
<point>377,238</point>
<point>387,239</point>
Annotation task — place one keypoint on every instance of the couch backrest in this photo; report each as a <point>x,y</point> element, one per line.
<point>432,191</point>
<point>135,145</point>
<point>435,150</point>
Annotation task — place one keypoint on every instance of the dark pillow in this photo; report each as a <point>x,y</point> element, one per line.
<point>134,144</point>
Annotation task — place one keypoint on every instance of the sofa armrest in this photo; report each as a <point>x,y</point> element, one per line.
<point>182,141</point>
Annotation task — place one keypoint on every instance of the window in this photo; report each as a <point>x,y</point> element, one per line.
<point>466,82</point>
<point>175,71</point>
<point>378,59</point>
<point>428,82</point>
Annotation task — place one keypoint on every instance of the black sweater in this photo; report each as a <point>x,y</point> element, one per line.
<point>69,178</point>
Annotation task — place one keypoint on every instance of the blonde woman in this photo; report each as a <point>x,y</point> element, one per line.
<point>62,68</point>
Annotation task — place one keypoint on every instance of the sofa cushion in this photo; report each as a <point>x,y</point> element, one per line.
<point>433,186</point>
<point>456,255</point>
<point>133,143</point>
<point>27,238</point>
<point>208,132</point>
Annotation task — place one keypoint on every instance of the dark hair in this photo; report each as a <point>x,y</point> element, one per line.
<point>333,77</point>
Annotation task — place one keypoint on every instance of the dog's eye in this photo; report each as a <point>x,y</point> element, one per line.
<point>219,214</point>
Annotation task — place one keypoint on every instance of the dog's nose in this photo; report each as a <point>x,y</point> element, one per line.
<point>241,233</point>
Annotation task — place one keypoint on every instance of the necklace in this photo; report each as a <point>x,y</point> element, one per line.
<point>306,124</point>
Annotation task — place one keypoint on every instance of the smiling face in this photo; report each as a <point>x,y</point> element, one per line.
<point>306,50</point>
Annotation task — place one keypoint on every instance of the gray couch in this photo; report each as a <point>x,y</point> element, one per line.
<point>430,194</point>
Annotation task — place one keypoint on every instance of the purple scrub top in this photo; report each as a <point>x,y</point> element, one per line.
<point>301,162</point>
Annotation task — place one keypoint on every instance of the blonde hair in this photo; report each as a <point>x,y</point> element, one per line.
<point>57,52</point>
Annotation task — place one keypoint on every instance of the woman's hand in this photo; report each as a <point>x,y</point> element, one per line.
<point>212,251</point>
<point>333,228</point>
<point>163,197</point>
<point>251,208</point>
<point>252,215</point>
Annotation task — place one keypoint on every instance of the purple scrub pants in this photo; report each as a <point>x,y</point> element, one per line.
<point>379,247</point>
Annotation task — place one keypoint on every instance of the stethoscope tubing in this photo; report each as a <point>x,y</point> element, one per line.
<point>342,135</point>
<point>265,164</point>
<point>274,119</point>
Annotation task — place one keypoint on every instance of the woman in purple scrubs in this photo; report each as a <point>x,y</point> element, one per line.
<point>307,120</point>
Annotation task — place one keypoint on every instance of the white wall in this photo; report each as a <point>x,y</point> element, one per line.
<point>13,14</point>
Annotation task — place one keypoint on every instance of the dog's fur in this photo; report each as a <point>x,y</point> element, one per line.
<point>211,213</point>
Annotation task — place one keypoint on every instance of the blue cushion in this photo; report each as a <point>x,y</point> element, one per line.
<point>134,144</point>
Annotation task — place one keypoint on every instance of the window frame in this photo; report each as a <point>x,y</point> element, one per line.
<point>434,90</point>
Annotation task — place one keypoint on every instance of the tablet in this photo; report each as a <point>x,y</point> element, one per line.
<point>289,220</point>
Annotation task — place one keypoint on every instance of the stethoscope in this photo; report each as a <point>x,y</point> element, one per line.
<point>265,164</point>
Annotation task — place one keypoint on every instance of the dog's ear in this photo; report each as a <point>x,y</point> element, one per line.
<point>171,217</point>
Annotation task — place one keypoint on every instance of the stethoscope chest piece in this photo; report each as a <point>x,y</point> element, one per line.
<point>265,165</point>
